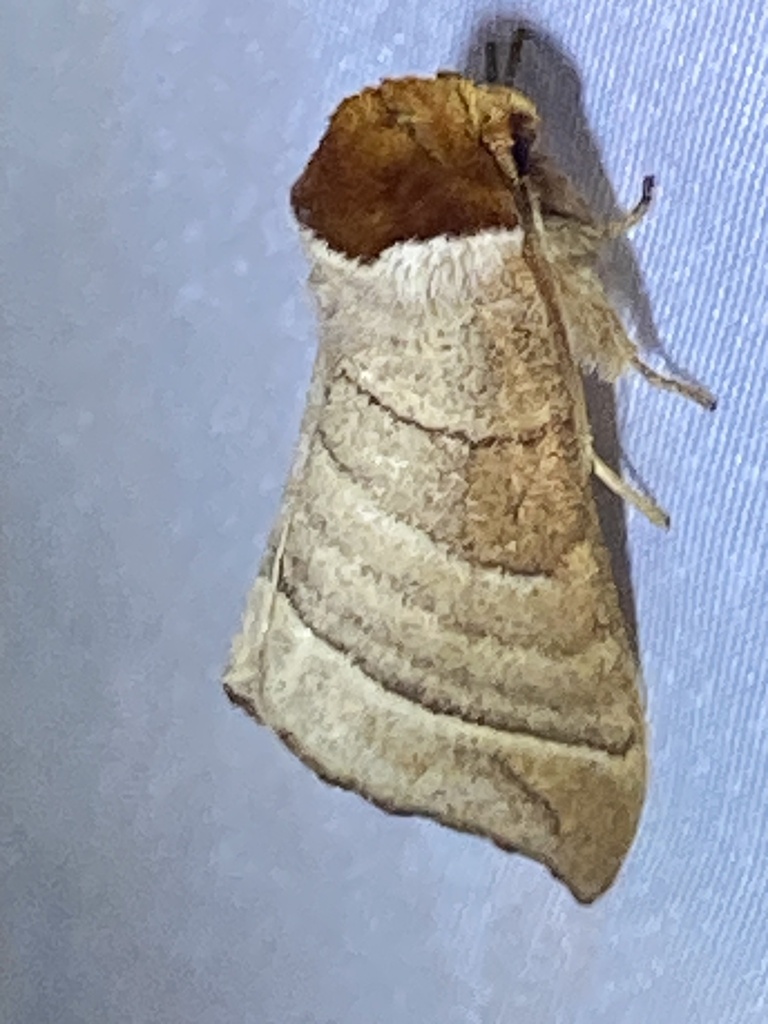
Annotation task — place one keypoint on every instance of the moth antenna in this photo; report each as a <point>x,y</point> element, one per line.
<point>514,54</point>
<point>620,487</point>
<point>491,62</point>
<point>536,238</point>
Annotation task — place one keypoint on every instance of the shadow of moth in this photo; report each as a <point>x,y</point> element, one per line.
<point>435,624</point>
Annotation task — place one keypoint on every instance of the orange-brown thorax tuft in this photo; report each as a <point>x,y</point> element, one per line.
<point>408,160</point>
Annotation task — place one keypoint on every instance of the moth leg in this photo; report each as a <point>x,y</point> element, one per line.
<point>575,234</point>
<point>620,487</point>
<point>621,225</point>
<point>695,392</point>
<point>276,572</point>
<point>614,229</point>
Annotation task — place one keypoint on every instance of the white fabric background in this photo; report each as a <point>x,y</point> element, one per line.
<point>163,859</point>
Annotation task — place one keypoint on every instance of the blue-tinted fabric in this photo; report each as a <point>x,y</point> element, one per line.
<point>163,859</point>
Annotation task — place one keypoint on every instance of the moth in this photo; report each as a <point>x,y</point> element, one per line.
<point>435,625</point>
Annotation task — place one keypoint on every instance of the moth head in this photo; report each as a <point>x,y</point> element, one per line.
<point>522,132</point>
<point>413,159</point>
<point>504,118</point>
